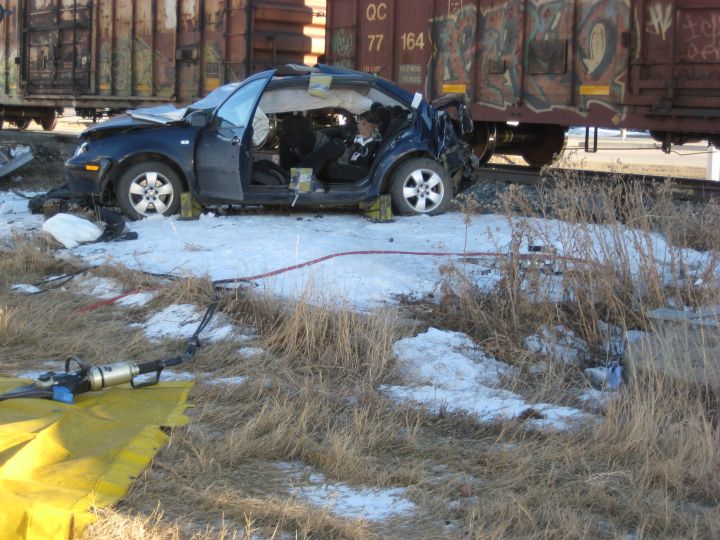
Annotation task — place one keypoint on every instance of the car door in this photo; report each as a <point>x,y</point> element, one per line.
<point>223,155</point>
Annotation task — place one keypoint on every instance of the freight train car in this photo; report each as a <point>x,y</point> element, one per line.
<point>102,56</point>
<point>531,68</point>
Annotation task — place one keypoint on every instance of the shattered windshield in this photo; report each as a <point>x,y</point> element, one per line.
<point>214,98</point>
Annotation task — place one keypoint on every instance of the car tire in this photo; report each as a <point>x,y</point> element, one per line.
<point>421,186</point>
<point>149,188</point>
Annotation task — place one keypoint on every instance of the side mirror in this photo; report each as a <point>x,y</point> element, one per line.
<point>198,120</point>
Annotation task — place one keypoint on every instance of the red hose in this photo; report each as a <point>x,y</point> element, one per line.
<point>312,262</point>
<point>392,252</point>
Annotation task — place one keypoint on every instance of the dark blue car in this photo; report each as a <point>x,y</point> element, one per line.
<point>236,146</point>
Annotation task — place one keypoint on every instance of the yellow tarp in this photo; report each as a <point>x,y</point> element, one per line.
<point>59,461</point>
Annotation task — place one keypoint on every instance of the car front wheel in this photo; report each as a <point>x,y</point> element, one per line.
<point>149,188</point>
<point>421,186</point>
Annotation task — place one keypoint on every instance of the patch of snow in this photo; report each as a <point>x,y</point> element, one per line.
<point>371,504</point>
<point>446,371</point>
<point>26,288</point>
<point>270,241</point>
<point>166,375</point>
<point>138,299</point>
<point>486,403</point>
<point>538,369</point>
<point>71,231</point>
<point>249,352</point>
<point>180,321</point>
<point>227,381</point>
<point>559,343</point>
<point>447,359</point>
<point>606,376</point>
<point>99,287</point>
<point>596,399</point>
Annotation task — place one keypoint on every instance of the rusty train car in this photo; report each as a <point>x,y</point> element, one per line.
<point>102,56</point>
<point>531,68</point>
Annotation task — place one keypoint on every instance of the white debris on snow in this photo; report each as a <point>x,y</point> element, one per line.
<point>71,231</point>
<point>445,371</point>
<point>373,504</point>
<point>26,288</point>
<point>180,321</point>
<point>558,343</point>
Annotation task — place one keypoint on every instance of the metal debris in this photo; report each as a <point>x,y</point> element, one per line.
<point>14,158</point>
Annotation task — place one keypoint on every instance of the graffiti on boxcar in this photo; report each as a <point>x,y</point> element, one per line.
<point>701,32</point>
<point>342,47</point>
<point>544,81</point>
<point>116,69</point>
<point>454,43</point>
<point>546,50</point>
<point>659,19</point>
<point>598,44</point>
<point>500,32</point>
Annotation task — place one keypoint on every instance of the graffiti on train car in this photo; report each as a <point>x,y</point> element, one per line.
<point>603,57</point>
<point>453,37</point>
<point>533,65</point>
<point>701,36</point>
<point>342,48</point>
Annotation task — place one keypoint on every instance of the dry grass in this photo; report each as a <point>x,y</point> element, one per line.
<point>649,470</point>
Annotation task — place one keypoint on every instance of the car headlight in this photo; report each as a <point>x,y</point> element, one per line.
<point>81,149</point>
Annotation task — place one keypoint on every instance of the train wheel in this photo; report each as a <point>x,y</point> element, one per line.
<point>483,141</point>
<point>22,123</point>
<point>48,122</point>
<point>2,121</point>
<point>552,143</point>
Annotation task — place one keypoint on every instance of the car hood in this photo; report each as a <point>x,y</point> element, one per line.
<point>136,119</point>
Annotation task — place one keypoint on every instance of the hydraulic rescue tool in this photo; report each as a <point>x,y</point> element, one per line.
<point>86,378</point>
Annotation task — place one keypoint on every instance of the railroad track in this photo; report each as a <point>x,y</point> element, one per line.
<point>687,188</point>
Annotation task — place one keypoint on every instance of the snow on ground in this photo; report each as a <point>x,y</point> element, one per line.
<point>105,288</point>
<point>249,352</point>
<point>444,370</point>
<point>559,343</point>
<point>248,245</point>
<point>343,500</point>
<point>226,381</point>
<point>180,321</point>
<point>26,288</point>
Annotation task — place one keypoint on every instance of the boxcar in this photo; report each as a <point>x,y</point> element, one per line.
<point>531,68</point>
<point>102,56</point>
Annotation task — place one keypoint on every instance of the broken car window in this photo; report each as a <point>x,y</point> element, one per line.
<point>235,112</point>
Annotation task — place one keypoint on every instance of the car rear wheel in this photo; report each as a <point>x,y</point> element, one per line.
<point>149,188</point>
<point>421,186</point>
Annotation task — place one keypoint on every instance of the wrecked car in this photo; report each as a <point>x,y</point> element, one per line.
<point>242,143</point>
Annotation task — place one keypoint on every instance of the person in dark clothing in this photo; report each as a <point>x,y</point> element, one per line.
<point>366,142</point>
<point>297,140</point>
